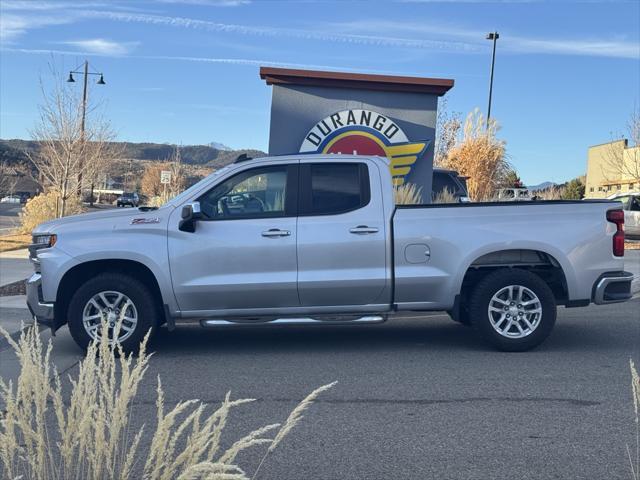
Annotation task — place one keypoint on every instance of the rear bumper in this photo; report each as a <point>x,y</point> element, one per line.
<point>612,287</point>
<point>41,311</point>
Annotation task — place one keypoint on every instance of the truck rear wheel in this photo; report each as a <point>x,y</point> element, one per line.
<point>513,310</point>
<point>112,297</point>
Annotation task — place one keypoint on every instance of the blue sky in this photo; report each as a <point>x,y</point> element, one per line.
<point>186,71</point>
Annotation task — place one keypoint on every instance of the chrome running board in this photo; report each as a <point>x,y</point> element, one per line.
<point>332,320</point>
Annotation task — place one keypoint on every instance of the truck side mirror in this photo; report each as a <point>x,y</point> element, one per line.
<point>190,215</point>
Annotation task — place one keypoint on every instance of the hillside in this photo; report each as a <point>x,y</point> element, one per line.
<point>12,152</point>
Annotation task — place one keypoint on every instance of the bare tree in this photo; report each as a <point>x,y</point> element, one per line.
<point>448,125</point>
<point>8,178</point>
<point>65,153</point>
<point>621,160</point>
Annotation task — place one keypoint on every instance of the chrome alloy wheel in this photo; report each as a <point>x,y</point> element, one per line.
<point>515,311</point>
<point>113,308</point>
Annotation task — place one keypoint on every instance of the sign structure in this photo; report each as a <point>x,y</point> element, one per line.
<point>365,132</point>
<point>165,177</point>
<point>392,116</point>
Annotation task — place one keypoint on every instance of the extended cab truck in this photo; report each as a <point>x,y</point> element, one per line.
<point>310,239</point>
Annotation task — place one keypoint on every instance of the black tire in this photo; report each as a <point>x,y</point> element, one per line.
<point>491,285</point>
<point>137,292</point>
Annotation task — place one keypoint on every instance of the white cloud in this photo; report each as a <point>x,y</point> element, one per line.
<point>305,34</point>
<point>615,48</point>
<point>13,26</point>
<point>102,46</point>
<point>209,3</point>
<point>227,61</point>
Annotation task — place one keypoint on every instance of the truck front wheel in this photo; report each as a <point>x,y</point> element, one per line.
<point>513,310</point>
<point>112,298</point>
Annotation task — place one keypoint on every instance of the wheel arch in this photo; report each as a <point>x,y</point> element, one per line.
<point>537,261</point>
<point>75,276</point>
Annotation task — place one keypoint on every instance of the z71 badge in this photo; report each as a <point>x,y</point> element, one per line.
<point>145,220</point>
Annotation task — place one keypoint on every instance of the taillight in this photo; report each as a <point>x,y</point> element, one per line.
<point>617,217</point>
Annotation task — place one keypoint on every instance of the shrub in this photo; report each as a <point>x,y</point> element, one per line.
<point>45,207</point>
<point>42,437</point>
<point>407,194</point>
<point>480,156</point>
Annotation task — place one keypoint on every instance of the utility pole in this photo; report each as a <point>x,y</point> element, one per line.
<point>85,72</point>
<point>491,36</point>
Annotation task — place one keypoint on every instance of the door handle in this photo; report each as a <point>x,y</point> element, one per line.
<point>363,230</point>
<point>275,232</point>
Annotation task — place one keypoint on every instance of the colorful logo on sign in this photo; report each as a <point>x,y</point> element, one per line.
<point>364,132</point>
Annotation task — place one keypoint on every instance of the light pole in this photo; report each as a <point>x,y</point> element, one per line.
<point>85,72</point>
<point>491,36</point>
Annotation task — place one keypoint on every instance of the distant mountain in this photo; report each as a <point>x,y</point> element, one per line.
<point>541,186</point>
<point>12,151</point>
<point>220,146</point>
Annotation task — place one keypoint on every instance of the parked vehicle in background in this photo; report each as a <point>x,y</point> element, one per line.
<point>449,182</point>
<point>10,199</point>
<point>514,195</point>
<point>128,199</point>
<point>631,205</point>
<point>314,240</point>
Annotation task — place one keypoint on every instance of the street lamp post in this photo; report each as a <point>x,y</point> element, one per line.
<point>491,36</point>
<point>85,72</point>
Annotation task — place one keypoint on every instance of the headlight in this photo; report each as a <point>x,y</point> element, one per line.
<point>39,242</point>
<point>44,241</point>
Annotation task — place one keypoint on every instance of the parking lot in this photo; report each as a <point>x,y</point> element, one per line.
<point>416,398</point>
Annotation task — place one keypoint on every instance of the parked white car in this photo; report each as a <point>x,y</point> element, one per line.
<point>514,195</point>
<point>10,199</point>
<point>631,206</point>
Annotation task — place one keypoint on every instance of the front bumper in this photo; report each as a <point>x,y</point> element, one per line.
<point>42,312</point>
<point>612,287</point>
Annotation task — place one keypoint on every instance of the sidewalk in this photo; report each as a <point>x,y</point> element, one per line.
<point>14,267</point>
<point>632,264</point>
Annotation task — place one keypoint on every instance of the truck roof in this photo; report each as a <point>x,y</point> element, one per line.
<point>320,157</point>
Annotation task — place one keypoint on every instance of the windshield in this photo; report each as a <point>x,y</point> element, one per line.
<point>195,187</point>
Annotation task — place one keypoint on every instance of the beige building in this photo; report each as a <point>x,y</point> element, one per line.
<point>612,168</point>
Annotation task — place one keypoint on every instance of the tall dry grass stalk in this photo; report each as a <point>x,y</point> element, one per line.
<point>635,390</point>
<point>90,437</point>
<point>445,196</point>
<point>480,156</point>
<point>407,194</point>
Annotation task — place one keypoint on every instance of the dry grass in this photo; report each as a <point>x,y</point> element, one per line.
<point>635,389</point>
<point>14,242</point>
<point>407,194</point>
<point>91,436</point>
<point>445,196</point>
<point>554,192</point>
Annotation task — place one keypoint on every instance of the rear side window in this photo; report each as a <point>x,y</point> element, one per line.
<point>333,188</point>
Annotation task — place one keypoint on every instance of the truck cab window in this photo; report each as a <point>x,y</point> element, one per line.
<point>334,188</point>
<point>255,193</point>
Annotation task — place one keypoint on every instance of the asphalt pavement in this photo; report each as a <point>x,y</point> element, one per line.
<point>417,398</point>
<point>9,217</point>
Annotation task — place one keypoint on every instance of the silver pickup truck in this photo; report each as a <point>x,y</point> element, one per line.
<point>312,239</point>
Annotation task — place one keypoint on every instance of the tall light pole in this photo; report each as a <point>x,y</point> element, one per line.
<point>492,36</point>
<point>85,72</point>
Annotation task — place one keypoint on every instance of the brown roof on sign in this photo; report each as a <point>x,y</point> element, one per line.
<point>390,83</point>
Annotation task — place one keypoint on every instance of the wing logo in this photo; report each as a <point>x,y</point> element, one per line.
<point>364,132</point>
